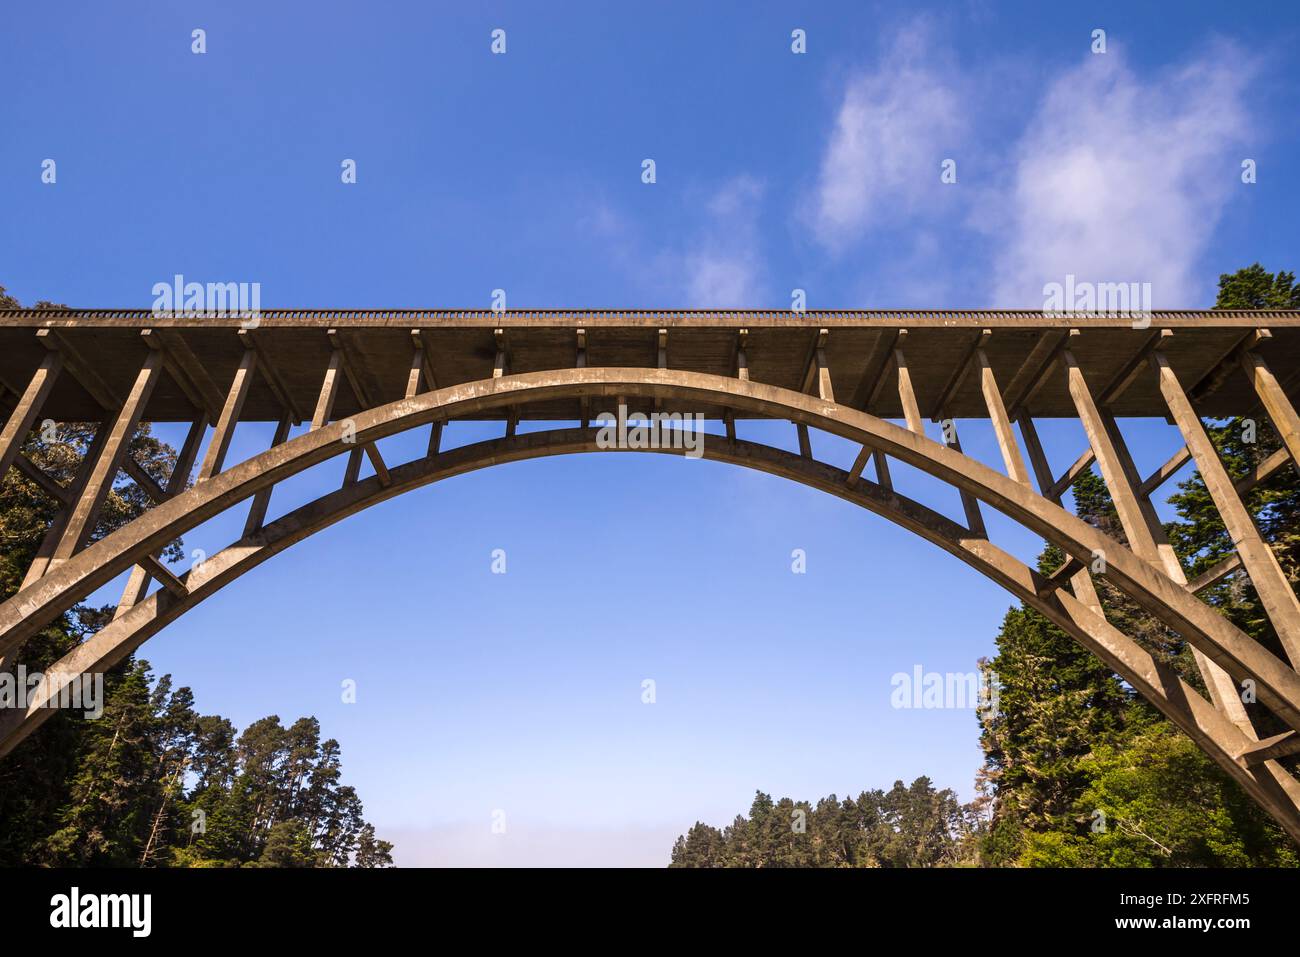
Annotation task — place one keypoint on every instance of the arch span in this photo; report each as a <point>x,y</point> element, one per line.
<point>1267,781</point>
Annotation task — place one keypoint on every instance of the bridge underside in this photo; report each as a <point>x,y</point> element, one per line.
<point>462,346</point>
<point>347,380</point>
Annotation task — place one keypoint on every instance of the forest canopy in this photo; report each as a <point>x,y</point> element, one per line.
<point>151,781</point>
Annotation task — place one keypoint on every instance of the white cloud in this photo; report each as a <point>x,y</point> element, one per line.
<point>1117,179</point>
<point>723,265</point>
<point>712,257</point>
<point>895,126</point>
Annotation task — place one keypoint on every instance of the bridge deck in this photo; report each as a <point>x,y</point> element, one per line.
<point>779,347</point>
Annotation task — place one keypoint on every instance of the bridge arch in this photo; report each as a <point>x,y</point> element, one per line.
<point>1267,781</point>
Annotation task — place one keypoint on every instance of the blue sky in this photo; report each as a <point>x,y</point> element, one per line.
<point>522,692</point>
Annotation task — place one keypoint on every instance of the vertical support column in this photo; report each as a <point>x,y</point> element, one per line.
<point>1141,525</point>
<point>29,405</point>
<point>817,380</point>
<point>1276,404</point>
<point>882,468</point>
<point>805,443</point>
<point>742,373</point>
<point>45,553</point>
<point>501,361</point>
<point>1081,581</point>
<point>580,362</point>
<point>912,413</point>
<point>43,559</point>
<point>189,452</point>
<point>1122,486</point>
<point>234,405</point>
<point>82,520</point>
<point>825,391</point>
<point>1154,539</point>
<point>500,368</point>
<point>138,581</point>
<point>262,498</point>
<point>817,375</point>
<point>416,373</point>
<point>1223,690</point>
<point>873,380</point>
<point>662,361</point>
<point>1006,436</point>
<point>422,363</point>
<point>906,394</point>
<point>353,467</point>
<point>969,503</point>
<point>1261,564</point>
<point>329,391</point>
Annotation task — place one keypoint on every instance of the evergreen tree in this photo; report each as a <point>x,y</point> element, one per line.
<point>150,782</point>
<point>1072,745</point>
<point>36,780</point>
<point>1157,800</point>
<point>910,826</point>
<point>1055,701</point>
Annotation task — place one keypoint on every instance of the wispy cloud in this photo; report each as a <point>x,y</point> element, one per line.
<point>1112,175</point>
<point>712,260</point>
<point>894,126</point>
<point>723,264</point>
<point>1122,179</point>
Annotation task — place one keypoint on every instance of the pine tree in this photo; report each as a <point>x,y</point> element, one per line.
<point>1072,745</point>
<point>910,826</point>
<point>150,782</point>
<point>107,820</point>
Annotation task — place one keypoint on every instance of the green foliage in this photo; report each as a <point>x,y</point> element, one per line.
<point>39,778</point>
<point>1072,745</point>
<point>1255,288</point>
<point>1201,539</point>
<point>916,826</point>
<point>150,782</point>
<point>1157,800</point>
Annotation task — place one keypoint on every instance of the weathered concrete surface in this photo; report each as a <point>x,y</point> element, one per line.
<point>1266,781</point>
<point>294,346</point>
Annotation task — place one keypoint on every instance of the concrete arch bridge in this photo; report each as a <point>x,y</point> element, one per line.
<point>356,377</point>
